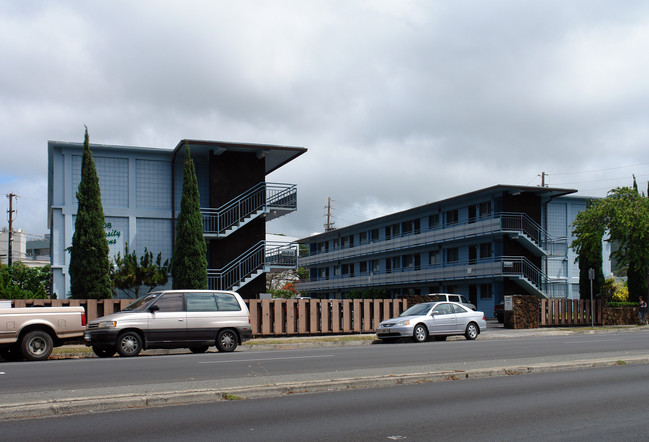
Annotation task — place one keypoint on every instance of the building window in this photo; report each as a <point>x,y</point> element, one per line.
<point>392,231</point>
<point>396,262</point>
<point>433,221</point>
<point>452,217</point>
<point>452,255</point>
<point>336,243</point>
<point>434,258</point>
<point>363,267</point>
<point>362,238</point>
<point>485,209</point>
<point>375,266</point>
<point>485,250</point>
<point>336,271</point>
<point>348,241</point>
<point>375,235</point>
<point>485,291</point>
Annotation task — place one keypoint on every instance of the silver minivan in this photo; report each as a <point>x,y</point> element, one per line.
<point>194,319</point>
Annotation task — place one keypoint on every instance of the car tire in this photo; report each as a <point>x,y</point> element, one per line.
<point>36,346</point>
<point>440,337</point>
<point>104,352</point>
<point>199,348</point>
<point>472,331</point>
<point>227,340</point>
<point>129,344</point>
<point>420,333</point>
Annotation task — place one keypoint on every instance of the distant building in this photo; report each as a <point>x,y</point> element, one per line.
<point>141,190</point>
<point>485,244</point>
<point>18,242</point>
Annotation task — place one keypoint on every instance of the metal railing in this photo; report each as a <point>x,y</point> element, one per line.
<point>521,222</point>
<point>256,200</point>
<point>256,258</point>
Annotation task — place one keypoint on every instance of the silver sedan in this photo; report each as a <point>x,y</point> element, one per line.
<point>439,319</point>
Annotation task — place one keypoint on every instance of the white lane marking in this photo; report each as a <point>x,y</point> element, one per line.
<point>267,359</point>
<point>2,372</point>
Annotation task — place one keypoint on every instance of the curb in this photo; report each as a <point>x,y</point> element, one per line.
<point>98,404</point>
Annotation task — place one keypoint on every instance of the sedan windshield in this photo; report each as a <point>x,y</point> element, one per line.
<point>417,310</point>
<point>142,303</point>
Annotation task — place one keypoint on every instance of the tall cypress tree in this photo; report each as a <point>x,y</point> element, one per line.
<point>189,261</point>
<point>89,264</point>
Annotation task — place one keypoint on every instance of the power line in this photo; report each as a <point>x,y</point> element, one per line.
<point>597,170</point>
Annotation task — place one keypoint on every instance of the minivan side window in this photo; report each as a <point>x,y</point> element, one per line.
<point>170,302</point>
<point>200,302</point>
<point>226,302</point>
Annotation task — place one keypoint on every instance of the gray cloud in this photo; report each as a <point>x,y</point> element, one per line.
<point>399,103</point>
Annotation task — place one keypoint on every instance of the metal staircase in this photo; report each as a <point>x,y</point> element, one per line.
<point>526,231</point>
<point>526,274</point>
<point>265,199</point>
<point>260,258</point>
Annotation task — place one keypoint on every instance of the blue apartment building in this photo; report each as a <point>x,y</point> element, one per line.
<point>141,189</point>
<point>486,244</point>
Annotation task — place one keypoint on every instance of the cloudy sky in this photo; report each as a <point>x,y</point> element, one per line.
<point>400,103</point>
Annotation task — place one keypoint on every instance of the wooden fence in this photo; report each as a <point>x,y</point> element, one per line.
<point>273,317</point>
<point>285,317</point>
<point>570,312</point>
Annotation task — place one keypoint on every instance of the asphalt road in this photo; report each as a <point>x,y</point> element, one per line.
<point>598,404</point>
<point>242,368</point>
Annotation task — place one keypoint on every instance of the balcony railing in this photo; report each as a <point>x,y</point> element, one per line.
<point>498,223</point>
<point>513,267</point>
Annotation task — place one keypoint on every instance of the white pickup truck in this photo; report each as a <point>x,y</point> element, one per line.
<point>33,332</point>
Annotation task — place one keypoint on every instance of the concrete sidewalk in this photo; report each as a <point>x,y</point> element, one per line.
<point>61,402</point>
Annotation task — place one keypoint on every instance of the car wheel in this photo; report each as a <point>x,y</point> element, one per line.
<point>129,344</point>
<point>471,331</point>
<point>199,348</point>
<point>104,352</point>
<point>36,346</point>
<point>226,340</point>
<point>440,338</point>
<point>420,334</point>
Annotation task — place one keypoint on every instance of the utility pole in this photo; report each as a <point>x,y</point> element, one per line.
<point>542,179</point>
<point>329,225</point>
<point>10,213</point>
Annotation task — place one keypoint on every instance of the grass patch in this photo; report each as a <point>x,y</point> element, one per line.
<point>297,340</point>
<point>232,397</point>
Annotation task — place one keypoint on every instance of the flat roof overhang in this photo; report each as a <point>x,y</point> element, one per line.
<point>276,156</point>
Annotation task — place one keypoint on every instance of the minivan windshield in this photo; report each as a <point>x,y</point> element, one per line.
<point>417,310</point>
<point>141,304</point>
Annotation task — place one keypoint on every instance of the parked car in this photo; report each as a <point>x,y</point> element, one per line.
<point>194,319</point>
<point>32,332</point>
<point>454,298</point>
<point>439,319</point>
